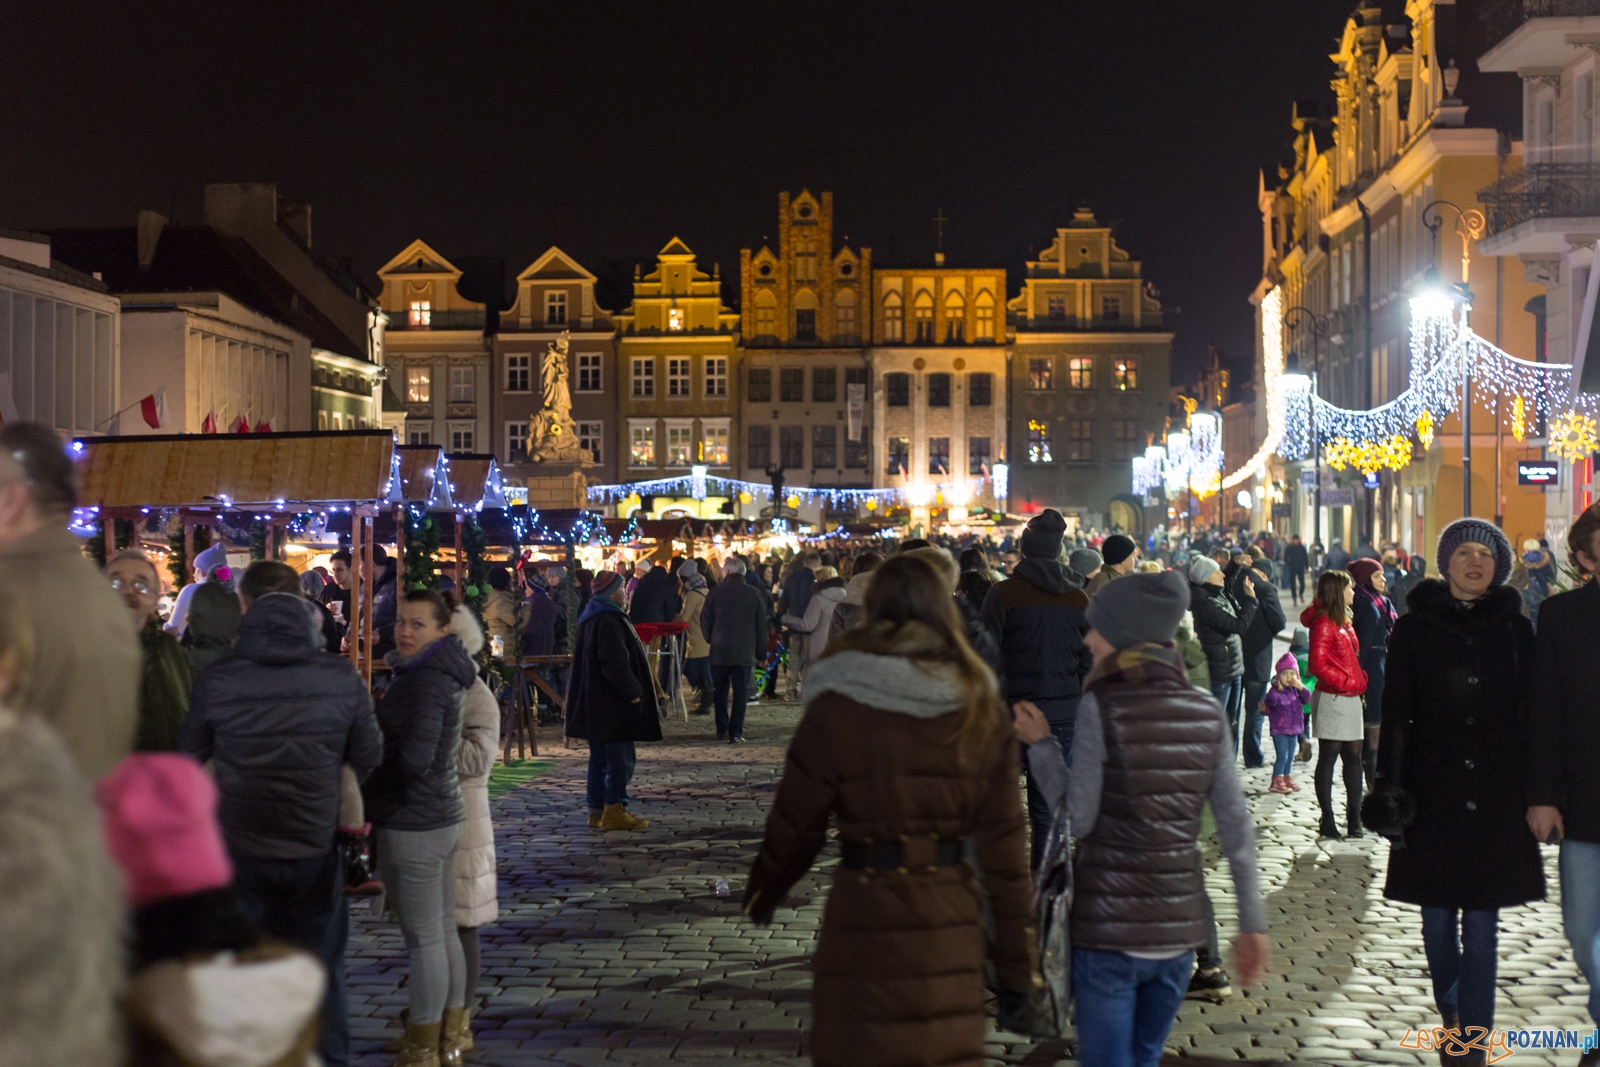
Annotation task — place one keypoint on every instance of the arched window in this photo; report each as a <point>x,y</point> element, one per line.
<point>766,314</point>
<point>922,310</point>
<point>983,308</point>
<point>805,315</point>
<point>955,317</point>
<point>844,313</point>
<point>894,318</point>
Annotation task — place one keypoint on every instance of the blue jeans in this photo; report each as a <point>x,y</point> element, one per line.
<point>610,771</point>
<point>1580,910</point>
<point>1253,721</point>
<point>1126,1005</point>
<point>1284,746</point>
<point>301,903</point>
<point>1230,695</point>
<point>697,672</point>
<point>1462,948</point>
<point>1038,803</point>
<point>725,677</point>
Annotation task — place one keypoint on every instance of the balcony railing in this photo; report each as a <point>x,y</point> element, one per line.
<point>1542,191</point>
<point>1502,17</point>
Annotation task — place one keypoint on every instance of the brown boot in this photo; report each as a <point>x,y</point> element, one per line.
<point>420,1047</point>
<point>455,1036</point>
<point>616,817</point>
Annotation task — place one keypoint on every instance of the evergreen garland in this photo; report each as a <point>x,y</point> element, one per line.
<point>258,540</point>
<point>421,546</point>
<point>95,546</point>
<point>476,573</point>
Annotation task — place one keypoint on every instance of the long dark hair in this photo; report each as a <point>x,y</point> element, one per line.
<point>1330,596</point>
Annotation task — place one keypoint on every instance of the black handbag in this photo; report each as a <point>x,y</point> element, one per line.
<point>1044,1013</point>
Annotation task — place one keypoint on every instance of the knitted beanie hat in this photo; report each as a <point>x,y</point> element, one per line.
<point>1202,568</point>
<point>1117,548</point>
<point>601,583</point>
<point>1084,560</point>
<point>1041,538</point>
<point>1140,607</point>
<point>1362,571</point>
<point>159,817</point>
<point>1483,532</point>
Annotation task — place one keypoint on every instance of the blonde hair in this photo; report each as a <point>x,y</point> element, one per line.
<point>942,562</point>
<point>1148,566</point>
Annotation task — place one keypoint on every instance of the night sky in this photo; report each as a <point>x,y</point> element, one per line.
<point>607,128</point>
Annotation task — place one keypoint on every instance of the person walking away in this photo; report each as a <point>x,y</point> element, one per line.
<point>1284,706</point>
<point>1087,564</point>
<point>1563,798</point>
<point>611,702</point>
<point>851,611</point>
<point>1337,558</point>
<point>1336,707</point>
<point>656,600</point>
<point>1373,617</point>
<point>278,717</point>
<point>213,624</point>
<point>1037,619</point>
<point>165,683</point>
<point>1150,752</point>
<point>1295,564</point>
<point>477,891</point>
<point>1120,556</point>
<point>817,623</point>
<point>903,744</point>
<point>697,650</point>
<point>1220,621</point>
<point>794,597</point>
<point>414,801</point>
<point>1256,643</point>
<point>1454,757</point>
<point>733,622</point>
<point>1416,571</point>
<point>757,577</point>
<point>84,678</point>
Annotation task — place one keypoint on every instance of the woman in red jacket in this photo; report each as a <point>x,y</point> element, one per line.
<point>1336,703</point>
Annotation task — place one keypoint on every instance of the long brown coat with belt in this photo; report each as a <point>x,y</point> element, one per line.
<point>898,979</point>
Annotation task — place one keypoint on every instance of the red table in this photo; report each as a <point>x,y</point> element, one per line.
<point>663,635</point>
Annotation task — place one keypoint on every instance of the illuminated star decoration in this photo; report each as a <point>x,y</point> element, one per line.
<point>1573,436</point>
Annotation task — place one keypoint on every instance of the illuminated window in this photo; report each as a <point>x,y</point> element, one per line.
<point>555,308</point>
<point>824,387</point>
<point>760,390</point>
<point>1056,307</point>
<point>922,308</point>
<point>980,390</point>
<point>894,321</point>
<point>517,373</point>
<point>955,318</point>
<point>897,390</point>
<point>644,377</point>
<point>461,437</point>
<point>977,454</point>
<point>516,442</point>
<point>759,451</point>
<point>716,376</point>
<point>1080,440</point>
<point>675,319</point>
<point>1039,442</point>
<point>1124,439</point>
<point>1040,374</point>
<point>678,377</point>
<point>938,390</point>
<point>642,446</point>
<point>899,456</point>
<point>824,447</point>
<point>1125,373</point>
<point>792,446</point>
<point>421,313</point>
<point>1080,373</point>
<point>419,385</point>
<point>590,436</point>
<point>460,385</point>
<point>984,309</point>
<point>1111,308</point>
<point>714,445</point>
<point>589,372</point>
<point>938,455</point>
<point>792,384</point>
<point>680,445</point>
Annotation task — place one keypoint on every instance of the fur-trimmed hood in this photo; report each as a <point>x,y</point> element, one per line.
<point>228,1011</point>
<point>1430,599</point>
<point>919,688</point>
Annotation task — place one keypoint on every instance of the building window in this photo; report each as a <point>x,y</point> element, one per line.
<point>419,435</point>
<point>1080,372</point>
<point>805,324</point>
<point>590,436</point>
<point>516,442</point>
<point>1111,308</point>
<point>421,314</point>
<point>855,376</point>
<point>675,320</point>
<point>897,390</point>
<point>792,446</point>
<point>338,420</point>
<point>894,318</point>
<point>977,455</point>
<point>805,260</point>
<point>980,390</point>
<point>938,455</point>
<point>419,385</point>
<point>761,386</point>
<point>844,314</point>
<point>642,446</point>
<point>322,420</point>
<point>678,377</point>
<point>1080,440</point>
<point>1039,442</point>
<point>1125,373</point>
<point>985,313</point>
<point>855,452</point>
<point>555,308</point>
<point>644,377</point>
<point>824,447</point>
<point>766,315</point>
<point>955,319</point>
<point>792,384</point>
<point>922,308</point>
<point>823,387</point>
<point>1056,307</point>
<point>460,385</point>
<point>1124,435</point>
<point>589,372</point>
<point>714,445</point>
<point>759,448</point>
<point>899,456</point>
<point>938,390</point>
<point>461,438</point>
<point>1040,374</point>
<point>517,372</point>
<point>680,446</point>
<point>716,376</point>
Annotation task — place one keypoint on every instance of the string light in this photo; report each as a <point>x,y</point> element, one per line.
<point>745,492</point>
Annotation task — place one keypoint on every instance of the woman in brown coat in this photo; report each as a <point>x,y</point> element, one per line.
<point>904,742</point>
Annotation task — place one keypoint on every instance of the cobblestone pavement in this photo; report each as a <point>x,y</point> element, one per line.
<point>614,948</point>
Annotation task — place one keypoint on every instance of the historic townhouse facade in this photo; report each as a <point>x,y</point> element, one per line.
<point>805,323</point>
<point>1089,371</point>
<point>678,377</point>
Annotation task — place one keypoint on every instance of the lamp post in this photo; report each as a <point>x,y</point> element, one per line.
<point>1469,227</point>
<point>1319,330</point>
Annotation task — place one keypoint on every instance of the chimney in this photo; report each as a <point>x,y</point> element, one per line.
<point>150,225</point>
<point>296,215</point>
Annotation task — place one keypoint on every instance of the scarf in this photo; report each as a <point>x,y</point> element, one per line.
<point>597,605</point>
<point>698,581</point>
<point>1381,604</point>
<point>1140,662</point>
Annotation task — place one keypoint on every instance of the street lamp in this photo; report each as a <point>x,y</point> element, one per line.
<point>1291,370</point>
<point>1469,227</point>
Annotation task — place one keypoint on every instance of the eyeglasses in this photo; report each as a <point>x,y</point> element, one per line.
<point>138,585</point>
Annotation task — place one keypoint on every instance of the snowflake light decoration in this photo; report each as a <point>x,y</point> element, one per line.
<point>1573,435</point>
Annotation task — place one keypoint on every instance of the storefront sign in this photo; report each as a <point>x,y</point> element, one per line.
<point>1538,472</point>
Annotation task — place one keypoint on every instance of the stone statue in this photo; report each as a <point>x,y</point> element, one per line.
<point>553,435</point>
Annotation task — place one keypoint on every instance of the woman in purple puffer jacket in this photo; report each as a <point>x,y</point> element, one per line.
<point>1283,705</point>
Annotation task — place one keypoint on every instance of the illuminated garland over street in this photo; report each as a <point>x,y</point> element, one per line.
<point>696,483</point>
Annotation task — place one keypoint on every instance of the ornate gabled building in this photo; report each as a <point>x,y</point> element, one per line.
<point>1088,377</point>
<point>804,322</point>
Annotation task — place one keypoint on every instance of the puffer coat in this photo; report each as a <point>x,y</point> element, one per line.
<point>1335,654</point>
<point>1220,621</point>
<point>416,786</point>
<point>1456,737</point>
<point>477,891</point>
<point>898,976</point>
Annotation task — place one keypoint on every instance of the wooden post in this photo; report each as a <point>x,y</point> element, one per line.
<point>188,550</point>
<point>400,548</point>
<point>460,585</point>
<point>366,603</point>
<point>108,528</point>
<point>358,582</point>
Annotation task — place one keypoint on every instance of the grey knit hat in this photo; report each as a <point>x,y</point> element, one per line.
<point>1201,568</point>
<point>1140,607</point>
<point>1483,532</point>
<point>1084,560</point>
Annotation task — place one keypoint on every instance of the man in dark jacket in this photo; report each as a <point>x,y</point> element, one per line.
<point>1337,558</point>
<point>1564,797</point>
<point>1220,621</point>
<point>1295,563</point>
<point>610,700</point>
<point>1037,618</point>
<point>793,599</point>
<point>1256,644</point>
<point>1416,571</point>
<point>279,716</point>
<point>656,598</point>
<point>734,622</point>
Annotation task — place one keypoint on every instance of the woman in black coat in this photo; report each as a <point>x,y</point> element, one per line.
<point>1373,616</point>
<point>1453,766</point>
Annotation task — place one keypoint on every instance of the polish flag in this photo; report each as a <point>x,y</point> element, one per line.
<point>240,424</point>
<point>264,426</point>
<point>154,409</point>
<point>210,425</point>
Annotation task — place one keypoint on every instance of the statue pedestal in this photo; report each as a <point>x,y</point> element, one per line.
<point>553,485</point>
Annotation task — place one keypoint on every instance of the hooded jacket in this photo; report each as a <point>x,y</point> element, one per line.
<point>1037,618</point>
<point>279,715</point>
<point>1220,622</point>
<point>656,598</point>
<point>416,787</point>
<point>817,624</point>
<point>1285,707</point>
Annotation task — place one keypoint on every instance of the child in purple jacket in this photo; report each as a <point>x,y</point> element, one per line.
<point>1283,706</point>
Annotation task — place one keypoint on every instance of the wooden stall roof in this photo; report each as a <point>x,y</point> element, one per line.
<point>475,481</point>
<point>424,477</point>
<point>664,530</point>
<point>241,470</point>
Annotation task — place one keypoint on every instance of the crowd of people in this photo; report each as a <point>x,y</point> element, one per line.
<point>189,804</point>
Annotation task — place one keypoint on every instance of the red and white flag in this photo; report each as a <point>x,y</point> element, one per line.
<point>264,426</point>
<point>154,409</point>
<point>240,424</point>
<point>210,423</point>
